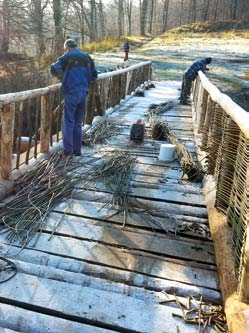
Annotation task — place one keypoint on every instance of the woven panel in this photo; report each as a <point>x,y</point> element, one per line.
<point>238,212</point>
<point>215,138</point>
<point>225,166</point>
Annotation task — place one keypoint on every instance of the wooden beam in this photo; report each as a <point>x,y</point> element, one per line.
<point>45,124</point>
<point>7,135</point>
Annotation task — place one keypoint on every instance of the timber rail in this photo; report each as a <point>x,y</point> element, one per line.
<point>222,128</point>
<point>43,107</point>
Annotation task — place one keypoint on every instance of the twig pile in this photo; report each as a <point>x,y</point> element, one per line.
<point>115,171</point>
<point>37,192</point>
<point>201,313</point>
<point>189,167</point>
<point>157,109</point>
<point>100,131</point>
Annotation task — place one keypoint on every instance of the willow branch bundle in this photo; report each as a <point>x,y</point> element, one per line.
<point>158,109</point>
<point>192,169</point>
<point>115,172</point>
<point>100,131</point>
<point>37,192</point>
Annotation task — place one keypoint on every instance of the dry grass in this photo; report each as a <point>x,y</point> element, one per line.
<point>209,29</point>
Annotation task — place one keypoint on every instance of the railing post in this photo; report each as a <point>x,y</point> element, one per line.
<point>7,135</point>
<point>45,124</point>
<point>244,283</point>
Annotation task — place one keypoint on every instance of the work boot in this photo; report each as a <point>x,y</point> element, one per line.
<point>77,153</point>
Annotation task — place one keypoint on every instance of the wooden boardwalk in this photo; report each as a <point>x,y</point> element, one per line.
<point>96,276</point>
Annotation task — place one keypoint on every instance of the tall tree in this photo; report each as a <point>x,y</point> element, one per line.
<point>57,15</point>
<point>151,16</point>
<point>120,18</point>
<point>129,4</point>
<point>144,6</point>
<point>93,21</point>
<point>165,14</point>
<point>37,23</point>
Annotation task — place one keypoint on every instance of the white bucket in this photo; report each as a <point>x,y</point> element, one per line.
<point>167,152</point>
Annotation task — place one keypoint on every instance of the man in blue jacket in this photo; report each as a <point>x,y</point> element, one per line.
<point>76,69</point>
<point>190,75</point>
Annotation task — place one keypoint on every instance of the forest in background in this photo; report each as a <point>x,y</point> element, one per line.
<point>37,27</point>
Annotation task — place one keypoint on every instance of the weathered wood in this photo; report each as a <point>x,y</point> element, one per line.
<point>18,318</point>
<point>239,115</point>
<point>45,124</point>
<point>7,136</point>
<point>244,283</point>
<point>111,309</point>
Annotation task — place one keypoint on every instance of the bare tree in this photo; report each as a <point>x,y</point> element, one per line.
<point>165,14</point>
<point>144,5</point>
<point>120,18</point>
<point>37,8</point>
<point>57,14</point>
<point>129,4</point>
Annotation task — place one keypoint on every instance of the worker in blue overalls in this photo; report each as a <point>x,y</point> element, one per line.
<point>76,69</point>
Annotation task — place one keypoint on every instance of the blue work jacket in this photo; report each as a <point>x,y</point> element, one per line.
<point>76,70</point>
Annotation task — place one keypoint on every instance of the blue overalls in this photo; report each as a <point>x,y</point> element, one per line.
<point>77,70</point>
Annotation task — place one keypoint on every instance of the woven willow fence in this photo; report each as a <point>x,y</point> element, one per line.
<point>225,137</point>
<point>36,114</point>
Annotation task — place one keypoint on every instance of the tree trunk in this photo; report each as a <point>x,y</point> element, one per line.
<point>129,13</point>
<point>205,12</point>
<point>181,12</point>
<point>93,23</point>
<point>5,28</point>
<point>152,12</point>
<point>58,46</point>
<point>143,16</point>
<point>120,17</point>
<point>102,19</point>
<point>165,14</point>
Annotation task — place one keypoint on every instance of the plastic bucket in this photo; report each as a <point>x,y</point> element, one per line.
<point>167,152</point>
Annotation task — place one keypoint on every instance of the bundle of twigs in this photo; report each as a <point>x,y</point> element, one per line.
<point>115,172</point>
<point>157,109</point>
<point>201,313</point>
<point>158,129</point>
<point>37,192</point>
<point>189,167</point>
<point>103,129</point>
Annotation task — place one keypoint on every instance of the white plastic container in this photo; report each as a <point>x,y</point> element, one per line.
<point>167,152</point>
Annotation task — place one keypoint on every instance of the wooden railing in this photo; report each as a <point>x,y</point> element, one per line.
<point>36,114</point>
<point>223,127</point>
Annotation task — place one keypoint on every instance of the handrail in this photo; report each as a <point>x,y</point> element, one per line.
<point>43,109</point>
<point>223,129</point>
<point>239,115</point>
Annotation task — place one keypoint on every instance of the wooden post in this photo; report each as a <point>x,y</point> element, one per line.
<point>203,109</point>
<point>244,283</point>
<point>7,136</point>
<point>89,114</point>
<point>45,124</point>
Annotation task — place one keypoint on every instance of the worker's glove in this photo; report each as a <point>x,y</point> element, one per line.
<point>207,69</point>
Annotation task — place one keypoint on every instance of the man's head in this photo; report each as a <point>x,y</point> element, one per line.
<point>208,60</point>
<point>70,44</point>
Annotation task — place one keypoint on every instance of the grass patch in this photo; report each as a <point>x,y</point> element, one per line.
<point>110,45</point>
<point>210,29</point>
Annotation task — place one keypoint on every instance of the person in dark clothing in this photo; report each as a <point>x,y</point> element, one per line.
<point>126,50</point>
<point>190,75</point>
<point>76,70</point>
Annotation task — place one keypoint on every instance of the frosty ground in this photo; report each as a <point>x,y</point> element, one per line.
<point>229,69</point>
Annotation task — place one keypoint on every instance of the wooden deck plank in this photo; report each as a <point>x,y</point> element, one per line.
<point>17,318</point>
<point>109,309</point>
<point>171,277</point>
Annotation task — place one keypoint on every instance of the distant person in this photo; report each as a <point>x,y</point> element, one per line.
<point>126,50</point>
<point>190,75</point>
<point>76,70</point>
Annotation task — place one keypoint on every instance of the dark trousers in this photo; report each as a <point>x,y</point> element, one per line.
<point>186,89</point>
<point>74,110</point>
<point>126,57</point>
